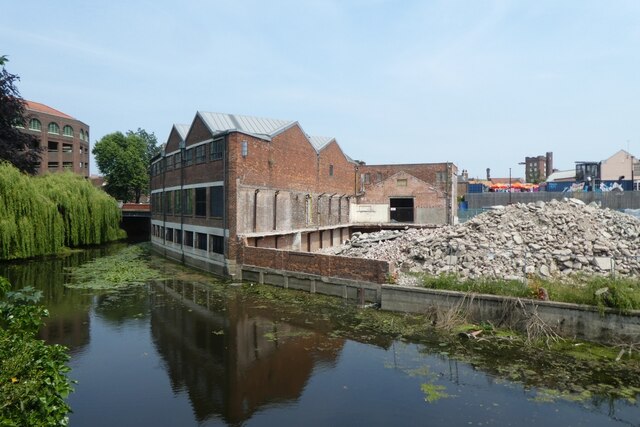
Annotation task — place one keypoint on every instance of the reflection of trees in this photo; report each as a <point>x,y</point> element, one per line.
<point>68,321</point>
<point>231,358</point>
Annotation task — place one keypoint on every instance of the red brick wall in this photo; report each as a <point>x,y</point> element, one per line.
<point>173,142</point>
<point>325,265</point>
<point>344,174</point>
<point>425,196</point>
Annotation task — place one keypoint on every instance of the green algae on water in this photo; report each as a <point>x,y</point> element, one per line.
<point>127,267</point>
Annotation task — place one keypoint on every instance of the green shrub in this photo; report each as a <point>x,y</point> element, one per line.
<point>33,381</point>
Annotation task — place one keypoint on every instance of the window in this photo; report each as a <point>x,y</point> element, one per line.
<point>67,148</point>
<point>52,147</point>
<point>67,131</point>
<point>81,135</point>
<point>216,244</point>
<point>366,178</point>
<point>34,124</point>
<point>170,162</point>
<point>176,201</point>
<point>215,149</point>
<point>81,165</point>
<point>187,201</point>
<point>178,236</point>
<point>54,128</point>
<point>401,182</point>
<point>216,201</point>
<point>178,160</point>
<point>188,238</point>
<point>86,136</point>
<point>379,176</point>
<point>200,154</point>
<point>188,158</point>
<point>330,170</point>
<point>201,241</point>
<point>169,235</point>
<point>245,148</point>
<point>168,202</point>
<point>201,202</point>
<point>52,165</point>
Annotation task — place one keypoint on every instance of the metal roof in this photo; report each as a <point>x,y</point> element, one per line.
<point>261,127</point>
<point>182,130</point>
<point>562,176</point>
<point>319,142</point>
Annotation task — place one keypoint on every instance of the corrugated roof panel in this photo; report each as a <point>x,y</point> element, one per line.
<point>182,130</point>
<point>319,142</point>
<point>247,124</point>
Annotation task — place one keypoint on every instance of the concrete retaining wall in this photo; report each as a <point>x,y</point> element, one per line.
<point>568,320</point>
<point>350,289</point>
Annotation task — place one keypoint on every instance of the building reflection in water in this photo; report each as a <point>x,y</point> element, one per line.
<point>233,357</point>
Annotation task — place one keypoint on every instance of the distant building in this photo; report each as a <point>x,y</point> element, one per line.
<point>538,169</point>
<point>64,139</point>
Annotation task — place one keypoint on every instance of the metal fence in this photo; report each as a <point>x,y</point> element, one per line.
<point>613,199</point>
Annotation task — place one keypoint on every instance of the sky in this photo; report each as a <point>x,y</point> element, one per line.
<point>479,83</point>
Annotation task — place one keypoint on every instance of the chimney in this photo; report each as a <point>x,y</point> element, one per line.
<point>549,163</point>
<point>488,174</point>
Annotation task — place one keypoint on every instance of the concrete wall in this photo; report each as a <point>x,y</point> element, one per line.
<point>349,289</point>
<point>612,200</point>
<point>568,320</point>
<point>369,213</point>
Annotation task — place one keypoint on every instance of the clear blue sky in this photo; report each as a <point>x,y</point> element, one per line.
<point>478,83</point>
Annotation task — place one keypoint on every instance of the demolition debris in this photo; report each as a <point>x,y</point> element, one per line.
<point>557,238</point>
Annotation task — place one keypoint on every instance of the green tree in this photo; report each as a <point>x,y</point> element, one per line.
<point>124,160</point>
<point>16,147</point>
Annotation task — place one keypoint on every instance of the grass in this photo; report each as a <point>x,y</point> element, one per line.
<point>622,294</point>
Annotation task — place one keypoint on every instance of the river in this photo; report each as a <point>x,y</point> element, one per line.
<point>190,351</point>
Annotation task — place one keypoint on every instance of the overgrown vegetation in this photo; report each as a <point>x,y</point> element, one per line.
<point>622,294</point>
<point>127,267</point>
<point>41,215</point>
<point>33,381</point>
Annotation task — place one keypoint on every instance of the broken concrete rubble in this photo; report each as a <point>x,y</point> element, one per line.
<point>547,239</point>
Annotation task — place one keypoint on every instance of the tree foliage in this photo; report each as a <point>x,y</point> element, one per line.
<point>16,147</point>
<point>33,381</point>
<point>124,160</point>
<point>40,215</point>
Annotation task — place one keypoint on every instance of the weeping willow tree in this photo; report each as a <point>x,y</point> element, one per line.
<point>40,215</point>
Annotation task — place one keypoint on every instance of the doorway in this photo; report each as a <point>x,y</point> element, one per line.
<point>401,209</point>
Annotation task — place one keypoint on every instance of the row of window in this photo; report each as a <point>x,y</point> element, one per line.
<point>214,149</point>
<point>65,165</point>
<point>202,241</point>
<point>184,201</point>
<point>53,128</point>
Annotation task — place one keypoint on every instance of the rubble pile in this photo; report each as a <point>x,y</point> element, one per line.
<point>547,239</point>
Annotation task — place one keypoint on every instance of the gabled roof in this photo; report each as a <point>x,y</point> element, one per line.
<point>319,142</point>
<point>257,126</point>
<point>41,108</point>
<point>182,130</point>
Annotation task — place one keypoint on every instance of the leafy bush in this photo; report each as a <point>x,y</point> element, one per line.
<point>33,381</point>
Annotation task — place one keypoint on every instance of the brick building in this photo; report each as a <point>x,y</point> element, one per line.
<point>423,193</point>
<point>64,140</point>
<point>225,181</point>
